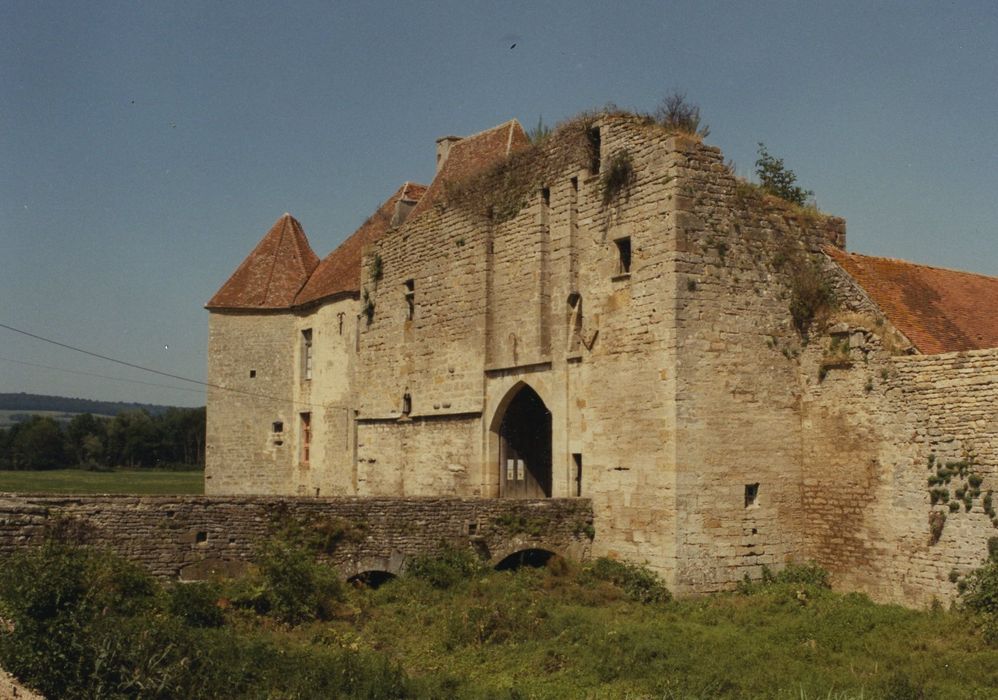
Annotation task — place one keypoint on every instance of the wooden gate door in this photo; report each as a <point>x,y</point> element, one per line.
<point>525,448</point>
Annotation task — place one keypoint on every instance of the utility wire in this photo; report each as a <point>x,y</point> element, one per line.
<point>102,376</point>
<point>153,371</point>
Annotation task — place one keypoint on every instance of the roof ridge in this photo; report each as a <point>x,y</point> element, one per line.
<point>273,261</point>
<point>914,264</point>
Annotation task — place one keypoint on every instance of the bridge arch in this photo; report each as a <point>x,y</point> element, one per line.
<point>534,557</point>
<point>520,432</point>
<point>371,579</point>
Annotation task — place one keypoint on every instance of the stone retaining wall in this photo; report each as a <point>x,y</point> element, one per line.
<point>191,537</point>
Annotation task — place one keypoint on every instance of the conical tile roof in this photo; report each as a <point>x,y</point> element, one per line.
<point>270,276</point>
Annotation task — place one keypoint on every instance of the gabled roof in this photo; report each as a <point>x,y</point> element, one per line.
<point>473,154</point>
<point>339,272</point>
<point>938,310</point>
<point>270,276</point>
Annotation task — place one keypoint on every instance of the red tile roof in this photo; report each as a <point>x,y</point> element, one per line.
<point>472,154</point>
<point>339,272</point>
<point>270,277</point>
<point>938,310</point>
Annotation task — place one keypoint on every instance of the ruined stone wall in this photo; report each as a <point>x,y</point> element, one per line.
<point>191,537</point>
<point>878,426</point>
<point>739,435</point>
<point>251,387</point>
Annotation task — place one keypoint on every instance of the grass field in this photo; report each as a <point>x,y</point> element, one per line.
<point>146,482</point>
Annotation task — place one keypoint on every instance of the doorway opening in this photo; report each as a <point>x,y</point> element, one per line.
<point>525,447</point>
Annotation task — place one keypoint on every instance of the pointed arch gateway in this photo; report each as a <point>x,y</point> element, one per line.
<point>524,445</point>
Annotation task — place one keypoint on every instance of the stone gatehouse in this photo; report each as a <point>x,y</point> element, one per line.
<point>612,314</point>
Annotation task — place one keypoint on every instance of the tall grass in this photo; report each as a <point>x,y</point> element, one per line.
<point>456,630</point>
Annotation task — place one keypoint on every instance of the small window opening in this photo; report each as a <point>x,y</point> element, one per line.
<point>623,255</point>
<point>339,317</point>
<point>201,537</point>
<point>751,494</point>
<point>577,459</point>
<point>406,404</point>
<point>306,354</point>
<point>546,196</point>
<point>306,436</point>
<point>410,299</point>
<point>278,426</point>
<point>252,374</point>
<point>595,150</point>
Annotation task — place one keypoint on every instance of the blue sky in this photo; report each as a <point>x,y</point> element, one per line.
<point>147,146</point>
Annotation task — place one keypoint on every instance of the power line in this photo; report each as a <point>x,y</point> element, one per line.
<point>102,376</point>
<point>154,371</point>
<point>103,357</point>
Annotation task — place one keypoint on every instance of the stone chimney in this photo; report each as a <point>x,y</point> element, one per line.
<point>444,144</point>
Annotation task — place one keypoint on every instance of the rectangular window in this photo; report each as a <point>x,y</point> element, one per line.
<point>306,437</point>
<point>623,255</point>
<point>410,299</point>
<point>751,495</point>
<point>306,354</point>
<point>278,426</point>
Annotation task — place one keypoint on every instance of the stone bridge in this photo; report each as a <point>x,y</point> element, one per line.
<point>193,537</point>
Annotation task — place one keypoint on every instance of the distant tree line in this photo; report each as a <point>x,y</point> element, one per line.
<point>29,403</point>
<point>132,439</point>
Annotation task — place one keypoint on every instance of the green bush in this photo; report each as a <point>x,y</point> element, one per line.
<point>808,573</point>
<point>293,587</point>
<point>778,180</point>
<point>639,583</point>
<point>980,596</point>
<point>196,604</point>
<point>66,605</point>
<point>445,568</point>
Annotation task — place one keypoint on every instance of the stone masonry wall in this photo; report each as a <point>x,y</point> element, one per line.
<point>878,427</point>
<point>251,386</point>
<point>738,399</point>
<point>494,311</point>
<point>192,537</point>
<point>329,397</point>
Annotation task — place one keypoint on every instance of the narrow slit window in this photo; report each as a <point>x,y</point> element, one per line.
<point>406,404</point>
<point>410,299</point>
<point>623,255</point>
<point>306,354</point>
<point>306,437</point>
<point>751,495</point>
<point>595,150</point>
<point>577,460</point>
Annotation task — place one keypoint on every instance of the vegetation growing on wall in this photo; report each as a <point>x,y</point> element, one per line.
<point>674,113</point>
<point>966,482</point>
<point>502,190</point>
<point>617,177</point>
<point>778,180</point>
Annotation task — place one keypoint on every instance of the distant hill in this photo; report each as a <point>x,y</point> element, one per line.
<point>33,403</point>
